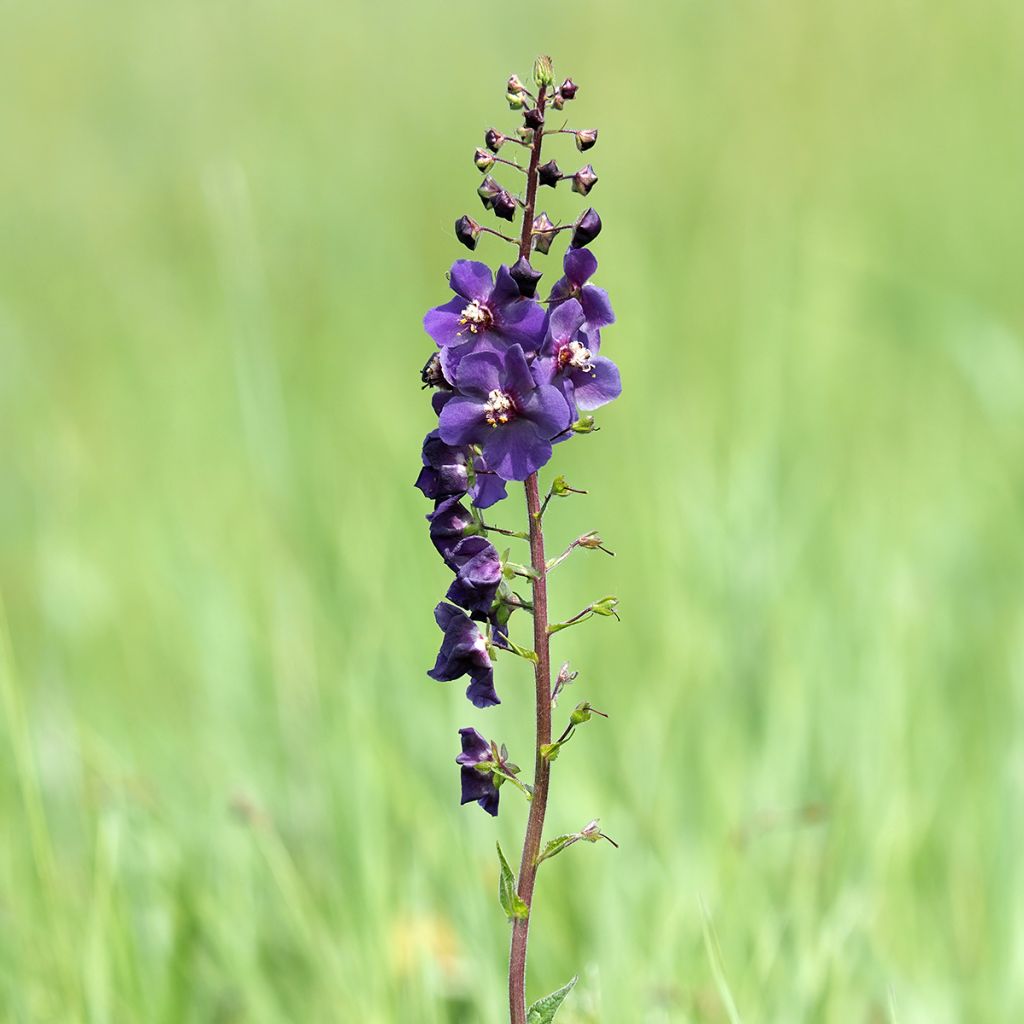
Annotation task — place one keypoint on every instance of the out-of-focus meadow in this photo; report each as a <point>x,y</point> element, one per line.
<point>226,784</point>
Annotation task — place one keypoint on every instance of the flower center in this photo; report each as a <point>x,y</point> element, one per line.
<point>499,408</point>
<point>476,317</point>
<point>575,355</point>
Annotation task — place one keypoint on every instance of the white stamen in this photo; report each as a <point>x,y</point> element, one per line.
<point>499,408</point>
<point>475,316</point>
<point>578,356</point>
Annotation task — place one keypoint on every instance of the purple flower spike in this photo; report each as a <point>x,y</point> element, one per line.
<point>477,566</point>
<point>570,362</point>
<point>579,266</point>
<point>476,785</point>
<point>500,406</point>
<point>486,314</point>
<point>464,652</point>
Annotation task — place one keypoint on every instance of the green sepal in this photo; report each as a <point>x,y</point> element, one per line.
<point>511,903</point>
<point>555,846</point>
<point>549,751</point>
<point>543,1011</point>
<point>521,651</point>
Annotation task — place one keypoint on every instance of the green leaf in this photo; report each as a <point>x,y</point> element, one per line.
<point>543,1011</point>
<point>510,902</point>
<point>557,845</point>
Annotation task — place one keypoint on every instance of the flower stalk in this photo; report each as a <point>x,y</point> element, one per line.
<point>513,379</point>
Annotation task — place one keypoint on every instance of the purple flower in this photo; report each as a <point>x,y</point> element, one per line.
<point>477,566</point>
<point>500,406</point>
<point>445,472</point>
<point>449,523</point>
<point>485,314</point>
<point>464,652</point>
<point>570,362</point>
<point>477,785</point>
<point>579,266</point>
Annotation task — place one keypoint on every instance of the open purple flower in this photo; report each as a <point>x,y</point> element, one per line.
<point>486,313</point>
<point>477,566</point>
<point>500,406</point>
<point>477,785</point>
<point>464,652</point>
<point>449,523</point>
<point>579,266</point>
<point>569,360</point>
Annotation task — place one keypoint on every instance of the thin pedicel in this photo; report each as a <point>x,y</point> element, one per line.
<point>512,378</point>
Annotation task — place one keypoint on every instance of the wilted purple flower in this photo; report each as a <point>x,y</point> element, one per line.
<point>485,313</point>
<point>446,473</point>
<point>449,523</point>
<point>464,652</point>
<point>579,266</point>
<point>500,406</point>
<point>570,362</point>
<point>477,785</point>
<point>477,566</point>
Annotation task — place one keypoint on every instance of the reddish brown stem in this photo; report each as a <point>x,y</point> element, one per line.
<point>542,670</point>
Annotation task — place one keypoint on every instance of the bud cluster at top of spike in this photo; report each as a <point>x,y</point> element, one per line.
<point>505,200</point>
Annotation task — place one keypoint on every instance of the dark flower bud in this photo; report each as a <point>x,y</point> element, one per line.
<point>467,231</point>
<point>488,191</point>
<point>585,138</point>
<point>526,277</point>
<point>588,227</point>
<point>567,90</point>
<point>504,206</point>
<point>549,174</point>
<point>584,180</point>
<point>533,118</point>
<point>483,159</point>
<point>543,72</point>
<point>493,139</point>
<point>543,233</point>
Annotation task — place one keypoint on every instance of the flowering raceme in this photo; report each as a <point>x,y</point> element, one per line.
<point>514,374</point>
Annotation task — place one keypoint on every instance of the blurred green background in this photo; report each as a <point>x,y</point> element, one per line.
<point>226,784</point>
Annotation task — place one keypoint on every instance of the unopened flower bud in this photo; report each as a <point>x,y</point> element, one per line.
<point>606,606</point>
<point>543,72</point>
<point>585,138</point>
<point>549,174</point>
<point>525,134</point>
<point>467,231</point>
<point>493,139</point>
<point>557,101</point>
<point>591,540</point>
<point>533,118</point>
<point>567,89</point>
<point>584,180</point>
<point>588,227</point>
<point>504,206</point>
<point>488,191</point>
<point>543,233</point>
<point>514,84</point>
<point>591,832</point>
<point>526,277</point>
<point>584,425</point>
<point>515,101</point>
<point>483,159</point>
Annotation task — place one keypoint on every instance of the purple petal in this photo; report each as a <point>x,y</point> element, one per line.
<point>579,266</point>
<point>598,387</point>
<point>565,321</point>
<point>474,748</point>
<point>522,325</point>
<point>479,374</point>
<point>444,614</point>
<point>462,421</point>
<point>442,323</point>
<point>505,291</point>
<point>596,307</point>
<point>488,490</point>
<point>548,409</point>
<point>518,378</point>
<point>471,280</point>
<point>481,690</point>
<point>516,450</point>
